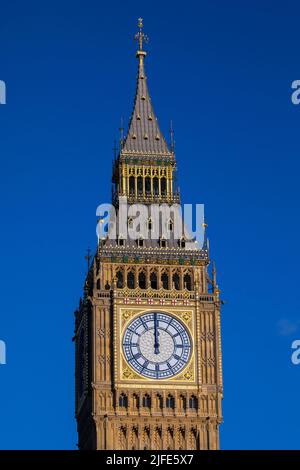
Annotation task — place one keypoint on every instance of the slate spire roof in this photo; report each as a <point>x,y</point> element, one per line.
<point>144,136</point>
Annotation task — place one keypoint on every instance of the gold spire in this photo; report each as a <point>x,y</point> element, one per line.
<point>141,37</point>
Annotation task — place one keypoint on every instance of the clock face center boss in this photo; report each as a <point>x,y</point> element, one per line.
<point>157,345</point>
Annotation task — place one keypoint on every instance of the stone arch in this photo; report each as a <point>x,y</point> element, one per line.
<point>130,279</point>
<point>142,279</point>
<point>135,401</point>
<point>193,402</point>
<point>159,402</point>
<point>148,185</point>
<point>140,185</point>
<point>170,402</point>
<point>176,281</point>
<point>146,401</point>
<point>123,400</point>
<point>187,281</point>
<point>131,185</point>
<point>120,279</point>
<point>155,186</point>
<point>153,280</point>
<point>163,185</point>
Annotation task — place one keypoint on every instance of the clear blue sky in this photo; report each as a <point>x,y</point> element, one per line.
<point>222,71</point>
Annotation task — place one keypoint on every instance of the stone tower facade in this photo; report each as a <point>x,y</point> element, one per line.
<point>147,330</point>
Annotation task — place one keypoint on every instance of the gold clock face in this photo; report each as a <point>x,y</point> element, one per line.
<point>157,345</point>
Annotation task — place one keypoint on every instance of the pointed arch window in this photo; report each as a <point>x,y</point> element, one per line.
<point>120,280</point>
<point>170,225</point>
<point>123,400</point>
<point>142,280</point>
<point>131,185</point>
<point>163,186</point>
<point>193,402</point>
<point>155,186</point>
<point>140,242</point>
<point>140,185</point>
<point>176,281</point>
<point>170,402</point>
<point>165,281</point>
<point>163,242</point>
<point>153,280</point>
<point>130,280</point>
<point>182,242</point>
<point>187,282</point>
<point>121,241</point>
<point>148,185</point>
<point>146,401</point>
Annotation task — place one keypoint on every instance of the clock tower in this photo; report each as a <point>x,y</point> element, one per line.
<point>147,330</point>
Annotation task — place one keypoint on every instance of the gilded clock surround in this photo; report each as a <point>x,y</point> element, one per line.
<point>125,373</point>
<point>117,408</point>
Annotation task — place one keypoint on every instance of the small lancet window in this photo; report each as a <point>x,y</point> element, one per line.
<point>143,97</point>
<point>150,117</point>
<point>146,401</point>
<point>138,117</point>
<point>170,402</point>
<point>153,280</point>
<point>140,242</point>
<point>193,403</point>
<point>170,225</point>
<point>163,242</point>
<point>157,137</point>
<point>165,281</point>
<point>121,241</point>
<point>146,136</point>
<point>142,280</point>
<point>123,401</point>
<point>187,282</point>
<point>130,280</point>
<point>120,280</point>
<point>133,136</point>
<point>182,242</point>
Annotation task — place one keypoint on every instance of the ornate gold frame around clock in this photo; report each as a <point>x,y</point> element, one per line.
<point>125,373</point>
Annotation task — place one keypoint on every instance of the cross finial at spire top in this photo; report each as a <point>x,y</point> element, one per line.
<point>141,37</point>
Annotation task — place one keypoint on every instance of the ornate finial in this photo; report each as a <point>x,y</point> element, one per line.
<point>115,149</point>
<point>172,136</point>
<point>140,37</point>
<point>88,258</point>
<point>121,129</point>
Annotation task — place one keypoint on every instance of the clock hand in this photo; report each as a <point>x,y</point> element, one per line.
<point>156,335</point>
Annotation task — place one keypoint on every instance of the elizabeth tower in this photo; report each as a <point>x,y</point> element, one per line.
<point>147,330</point>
